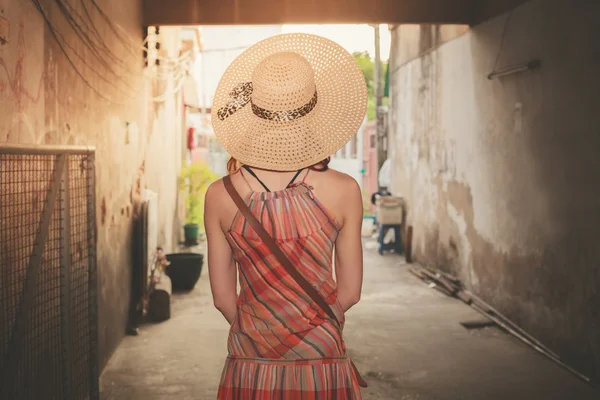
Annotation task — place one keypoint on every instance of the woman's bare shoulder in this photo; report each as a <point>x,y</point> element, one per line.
<point>218,203</point>
<point>339,192</point>
<point>215,191</point>
<point>336,181</point>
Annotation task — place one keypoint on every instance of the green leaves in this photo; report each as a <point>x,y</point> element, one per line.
<point>367,66</point>
<point>194,179</point>
<point>365,62</point>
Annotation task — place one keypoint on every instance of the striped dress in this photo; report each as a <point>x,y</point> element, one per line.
<point>281,345</point>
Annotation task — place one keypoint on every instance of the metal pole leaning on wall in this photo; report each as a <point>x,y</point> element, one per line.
<point>451,286</point>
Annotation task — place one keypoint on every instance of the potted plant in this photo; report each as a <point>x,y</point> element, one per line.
<point>194,180</point>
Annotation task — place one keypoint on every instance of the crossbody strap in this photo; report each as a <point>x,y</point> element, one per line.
<point>277,252</point>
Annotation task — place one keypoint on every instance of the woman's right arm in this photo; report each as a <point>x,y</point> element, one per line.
<point>348,246</point>
<point>221,264</point>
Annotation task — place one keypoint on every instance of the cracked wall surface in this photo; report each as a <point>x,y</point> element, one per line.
<point>500,175</point>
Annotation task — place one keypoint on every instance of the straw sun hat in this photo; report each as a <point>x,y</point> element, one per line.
<point>289,102</point>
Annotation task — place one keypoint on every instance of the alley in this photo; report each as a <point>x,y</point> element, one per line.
<point>481,120</point>
<point>406,338</point>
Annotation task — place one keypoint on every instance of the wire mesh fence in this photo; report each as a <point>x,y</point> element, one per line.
<point>48,310</point>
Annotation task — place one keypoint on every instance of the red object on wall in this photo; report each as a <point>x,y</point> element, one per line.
<point>191,139</point>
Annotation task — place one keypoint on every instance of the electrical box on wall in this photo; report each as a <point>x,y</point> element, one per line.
<point>4,30</point>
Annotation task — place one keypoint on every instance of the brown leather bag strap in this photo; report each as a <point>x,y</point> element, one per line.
<point>285,262</point>
<point>277,252</point>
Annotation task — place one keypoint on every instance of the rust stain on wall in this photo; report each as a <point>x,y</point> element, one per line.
<point>103,211</point>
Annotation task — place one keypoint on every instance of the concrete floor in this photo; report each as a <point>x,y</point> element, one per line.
<point>404,337</point>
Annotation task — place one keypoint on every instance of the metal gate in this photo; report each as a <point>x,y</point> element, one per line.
<point>48,294</point>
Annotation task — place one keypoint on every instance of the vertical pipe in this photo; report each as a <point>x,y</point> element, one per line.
<point>92,277</point>
<point>377,69</point>
<point>65,280</point>
<point>360,155</point>
<point>380,134</point>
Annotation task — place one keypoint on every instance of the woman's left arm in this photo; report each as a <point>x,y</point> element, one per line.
<point>221,264</point>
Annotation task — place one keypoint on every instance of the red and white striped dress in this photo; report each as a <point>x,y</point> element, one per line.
<point>281,345</point>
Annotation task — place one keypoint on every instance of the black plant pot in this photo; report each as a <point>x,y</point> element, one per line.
<point>184,270</point>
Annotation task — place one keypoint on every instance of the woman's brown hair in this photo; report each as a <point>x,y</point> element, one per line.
<point>233,165</point>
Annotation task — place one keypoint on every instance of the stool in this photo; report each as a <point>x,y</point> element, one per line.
<point>396,245</point>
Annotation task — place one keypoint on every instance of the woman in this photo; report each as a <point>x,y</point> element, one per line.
<point>281,109</point>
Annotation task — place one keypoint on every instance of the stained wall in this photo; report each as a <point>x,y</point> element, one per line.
<point>43,100</point>
<point>501,175</point>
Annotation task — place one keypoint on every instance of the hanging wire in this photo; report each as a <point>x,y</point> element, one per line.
<point>99,36</point>
<point>93,49</point>
<point>60,38</point>
<point>129,92</point>
<point>92,46</point>
<point>126,40</point>
<point>88,23</point>
<point>123,36</point>
<point>505,29</point>
<point>90,30</point>
<point>175,69</point>
<point>39,7</point>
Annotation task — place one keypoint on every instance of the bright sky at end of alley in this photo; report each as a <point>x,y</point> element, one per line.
<point>351,37</point>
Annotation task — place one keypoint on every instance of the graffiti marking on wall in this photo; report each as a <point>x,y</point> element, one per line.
<point>15,79</point>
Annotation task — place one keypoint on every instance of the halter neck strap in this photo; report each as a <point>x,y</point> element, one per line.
<point>251,172</point>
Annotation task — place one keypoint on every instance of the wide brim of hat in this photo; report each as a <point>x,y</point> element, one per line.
<point>291,145</point>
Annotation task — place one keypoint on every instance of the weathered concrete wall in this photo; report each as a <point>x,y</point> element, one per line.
<point>501,174</point>
<point>44,101</point>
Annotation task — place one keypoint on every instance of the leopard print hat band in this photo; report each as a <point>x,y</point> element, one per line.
<point>242,95</point>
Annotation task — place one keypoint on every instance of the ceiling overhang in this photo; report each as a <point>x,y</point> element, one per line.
<point>266,12</point>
